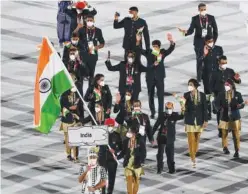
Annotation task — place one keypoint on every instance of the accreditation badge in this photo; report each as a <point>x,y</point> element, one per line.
<point>91,47</point>
<point>204,32</point>
<point>129,80</point>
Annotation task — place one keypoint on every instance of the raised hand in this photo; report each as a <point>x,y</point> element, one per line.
<point>182,31</point>
<point>169,37</point>
<point>116,16</point>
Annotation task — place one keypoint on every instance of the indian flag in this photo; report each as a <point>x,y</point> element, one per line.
<point>52,80</point>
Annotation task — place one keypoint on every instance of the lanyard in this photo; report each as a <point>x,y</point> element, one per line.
<point>129,70</point>
<point>143,121</point>
<point>201,21</point>
<point>93,35</point>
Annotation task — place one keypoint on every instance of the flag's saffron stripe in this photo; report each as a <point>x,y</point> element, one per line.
<point>45,53</point>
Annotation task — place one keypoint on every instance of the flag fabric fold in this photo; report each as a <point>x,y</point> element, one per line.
<point>52,80</point>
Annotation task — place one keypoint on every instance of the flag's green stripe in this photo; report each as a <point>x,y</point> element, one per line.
<point>51,108</point>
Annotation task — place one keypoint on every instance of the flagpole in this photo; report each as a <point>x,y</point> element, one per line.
<point>94,120</point>
<point>80,96</point>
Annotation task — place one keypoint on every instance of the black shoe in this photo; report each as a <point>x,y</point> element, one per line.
<point>69,158</point>
<point>236,155</point>
<point>171,171</point>
<point>152,116</point>
<point>159,171</point>
<point>209,117</point>
<point>64,142</point>
<point>226,151</point>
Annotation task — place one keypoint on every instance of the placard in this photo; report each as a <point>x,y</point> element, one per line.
<point>88,136</point>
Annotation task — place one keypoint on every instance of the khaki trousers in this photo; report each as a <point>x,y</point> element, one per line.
<point>70,150</point>
<point>193,142</point>
<point>236,138</point>
<point>132,184</point>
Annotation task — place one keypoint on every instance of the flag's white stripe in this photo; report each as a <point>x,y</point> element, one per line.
<point>54,66</point>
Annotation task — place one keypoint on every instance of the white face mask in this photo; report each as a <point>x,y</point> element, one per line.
<point>136,109</point>
<point>74,42</point>
<point>93,162</point>
<point>190,88</point>
<point>79,11</point>
<point>211,44</point>
<point>90,24</point>
<point>110,129</point>
<point>130,15</point>
<point>97,109</point>
<point>169,111</point>
<point>203,13</point>
<point>227,88</point>
<point>72,57</point>
<point>73,89</point>
<point>224,66</point>
<point>130,60</point>
<point>127,98</point>
<point>129,135</point>
<point>102,83</point>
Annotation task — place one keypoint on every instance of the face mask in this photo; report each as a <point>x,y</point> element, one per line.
<point>72,57</point>
<point>190,88</point>
<point>110,129</point>
<point>74,42</point>
<point>127,98</point>
<point>227,88</point>
<point>136,109</point>
<point>97,109</point>
<point>155,52</point>
<point>211,44</point>
<point>169,111</point>
<point>73,89</point>
<point>224,66</point>
<point>130,15</point>
<point>90,24</point>
<point>130,60</point>
<point>102,83</point>
<point>203,13</point>
<point>93,162</point>
<point>79,11</point>
<point>129,135</point>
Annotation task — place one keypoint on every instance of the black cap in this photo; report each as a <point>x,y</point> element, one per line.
<point>134,9</point>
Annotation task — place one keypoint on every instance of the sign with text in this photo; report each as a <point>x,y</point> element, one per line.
<point>88,136</point>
